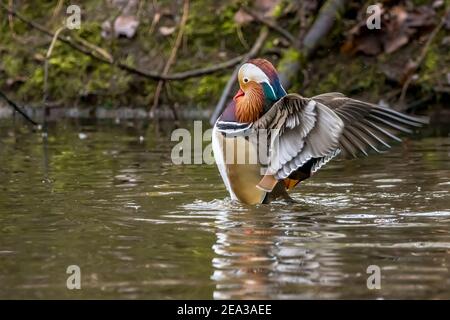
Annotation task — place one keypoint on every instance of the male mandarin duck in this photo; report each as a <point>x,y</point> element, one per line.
<point>308,132</point>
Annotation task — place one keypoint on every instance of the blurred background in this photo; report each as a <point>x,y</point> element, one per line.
<point>95,185</point>
<point>114,56</point>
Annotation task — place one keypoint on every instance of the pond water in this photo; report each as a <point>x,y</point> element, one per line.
<point>107,198</point>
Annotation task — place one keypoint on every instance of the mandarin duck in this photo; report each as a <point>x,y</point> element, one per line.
<point>298,135</point>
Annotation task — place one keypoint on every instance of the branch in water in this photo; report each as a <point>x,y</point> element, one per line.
<point>17,108</point>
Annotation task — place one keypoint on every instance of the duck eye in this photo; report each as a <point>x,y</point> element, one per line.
<point>245,80</point>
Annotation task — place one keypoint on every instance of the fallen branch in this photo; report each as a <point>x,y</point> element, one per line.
<point>322,25</point>
<point>47,58</point>
<point>226,91</point>
<point>93,53</point>
<point>97,49</point>
<point>17,108</point>
<point>320,28</point>
<point>172,56</point>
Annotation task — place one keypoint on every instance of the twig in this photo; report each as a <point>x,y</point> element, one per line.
<point>10,19</point>
<point>271,24</point>
<point>17,108</point>
<point>139,10</point>
<point>226,91</point>
<point>173,55</point>
<point>416,64</point>
<point>58,8</point>
<point>241,37</point>
<point>97,49</point>
<point>146,74</point>
<point>47,58</point>
<point>156,17</point>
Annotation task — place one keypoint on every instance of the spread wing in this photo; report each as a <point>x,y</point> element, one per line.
<point>312,131</point>
<point>368,126</point>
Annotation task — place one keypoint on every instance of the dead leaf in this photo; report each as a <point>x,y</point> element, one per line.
<point>126,26</point>
<point>167,31</point>
<point>39,57</point>
<point>242,18</point>
<point>123,26</point>
<point>398,26</point>
<point>403,24</point>
<point>422,16</point>
<point>264,8</point>
<point>18,79</point>
<point>438,4</point>
<point>394,43</point>
<point>370,45</point>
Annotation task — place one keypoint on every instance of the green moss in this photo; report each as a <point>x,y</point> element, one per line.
<point>290,58</point>
<point>278,10</point>
<point>90,31</point>
<point>210,37</point>
<point>200,92</point>
<point>11,65</point>
<point>431,60</point>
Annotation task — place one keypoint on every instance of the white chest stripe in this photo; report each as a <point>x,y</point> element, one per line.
<point>220,161</point>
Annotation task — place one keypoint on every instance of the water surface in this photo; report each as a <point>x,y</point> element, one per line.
<point>106,197</point>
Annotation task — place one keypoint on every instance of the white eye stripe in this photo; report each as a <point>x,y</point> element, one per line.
<point>252,72</point>
<point>249,71</point>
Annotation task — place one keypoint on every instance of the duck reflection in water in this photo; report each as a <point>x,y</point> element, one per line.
<point>260,254</point>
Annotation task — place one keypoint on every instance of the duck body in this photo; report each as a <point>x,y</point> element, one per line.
<point>267,141</point>
<point>237,155</point>
<point>240,179</point>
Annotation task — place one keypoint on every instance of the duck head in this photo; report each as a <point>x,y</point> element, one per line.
<point>260,88</point>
